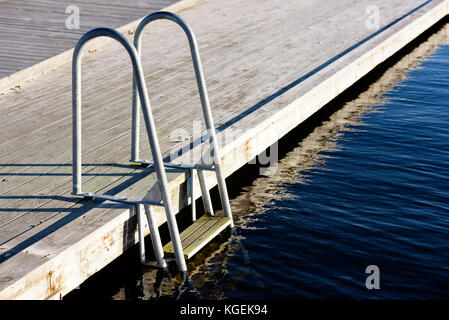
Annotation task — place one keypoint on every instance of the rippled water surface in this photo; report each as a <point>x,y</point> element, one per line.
<point>367,184</point>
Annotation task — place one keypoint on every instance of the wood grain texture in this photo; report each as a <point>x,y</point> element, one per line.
<point>268,65</point>
<point>198,234</point>
<point>34,30</point>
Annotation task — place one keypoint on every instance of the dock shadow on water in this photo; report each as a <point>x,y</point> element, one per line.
<point>360,183</point>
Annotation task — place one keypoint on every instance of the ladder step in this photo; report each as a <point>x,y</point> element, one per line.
<point>200,233</point>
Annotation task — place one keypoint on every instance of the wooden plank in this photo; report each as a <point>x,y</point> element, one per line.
<point>31,23</point>
<point>187,233</point>
<point>204,238</point>
<point>199,234</point>
<point>198,228</point>
<point>54,56</point>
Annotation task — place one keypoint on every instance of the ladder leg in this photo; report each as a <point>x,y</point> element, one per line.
<point>159,165</point>
<point>205,192</point>
<point>223,191</point>
<point>192,194</point>
<point>155,237</point>
<point>141,234</point>
<point>135,129</point>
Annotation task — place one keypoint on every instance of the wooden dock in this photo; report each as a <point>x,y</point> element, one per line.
<point>268,65</point>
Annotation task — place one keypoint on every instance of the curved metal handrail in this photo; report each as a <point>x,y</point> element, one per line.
<point>203,97</point>
<point>196,64</point>
<point>139,83</point>
<point>76,91</point>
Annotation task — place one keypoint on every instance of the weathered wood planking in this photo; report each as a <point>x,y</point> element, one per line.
<point>27,51</point>
<point>74,240</point>
<point>34,30</point>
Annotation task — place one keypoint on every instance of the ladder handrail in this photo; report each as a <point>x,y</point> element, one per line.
<point>164,15</point>
<point>139,81</point>
<point>76,91</point>
<point>203,97</point>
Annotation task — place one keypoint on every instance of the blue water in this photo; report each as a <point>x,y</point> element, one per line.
<point>380,196</point>
<point>367,185</point>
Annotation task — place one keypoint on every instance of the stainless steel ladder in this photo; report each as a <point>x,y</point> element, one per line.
<point>186,244</point>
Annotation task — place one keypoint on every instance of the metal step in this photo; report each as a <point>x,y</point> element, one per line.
<point>200,233</point>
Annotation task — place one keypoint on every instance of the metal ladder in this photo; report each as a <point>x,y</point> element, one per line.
<point>186,244</point>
